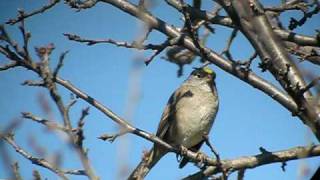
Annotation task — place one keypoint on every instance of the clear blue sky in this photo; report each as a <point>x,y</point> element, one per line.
<point>247,120</point>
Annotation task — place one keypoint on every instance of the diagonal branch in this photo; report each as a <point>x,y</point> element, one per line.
<point>49,124</point>
<point>38,161</point>
<point>23,15</point>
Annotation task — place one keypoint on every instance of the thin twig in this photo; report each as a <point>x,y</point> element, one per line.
<point>23,15</point>
<point>241,174</point>
<point>226,50</point>
<point>84,4</point>
<point>134,45</point>
<point>308,15</point>
<point>33,83</point>
<point>36,175</point>
<point>38,161</point>
<point>49,124</point>
<point>60,64</point>
<point>310,85</point>
<point>224,173</point>
<point>15,167</point>
<point>8,66</point>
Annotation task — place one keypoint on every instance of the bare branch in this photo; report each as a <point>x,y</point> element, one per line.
<point>15,167</point>
<point>8,66</point>
<point>60,64</point>
<point>79,136</point>
<point>76,172</point>
<point>85,4</point>
<point>226,50</point>
<point>26,36</point>
<point>33,83</point>
<point>249,162</point>
<point>302,6</point>
<point>246,64</point>
<point>214,18</point>
<point>295,23</point>
<point>310,85</point>
<point>6,50</point>
<point>299,39</point>
<point>160,48</point>
<point>215,152</point>
<point>49,124</point>
<point>112,137</point>
<point>309,53</point>
<point>47,76</point>
<point>36,175</point>
<point>38,161</point>
<point>241,174</point>
<point>23,15</point>
<point>134,45</point>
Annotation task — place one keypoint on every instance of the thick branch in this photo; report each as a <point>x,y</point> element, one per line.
<point>299,39</point>
<point>252,21</point>
<point>250,162</point>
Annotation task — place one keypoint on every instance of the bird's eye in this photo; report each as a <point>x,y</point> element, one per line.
<point>199,75</point>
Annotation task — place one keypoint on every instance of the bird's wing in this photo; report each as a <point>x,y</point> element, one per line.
<point>170,110</point>
<point>166,116</point>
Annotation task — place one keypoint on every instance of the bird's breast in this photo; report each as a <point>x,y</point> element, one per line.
<point>194,117</point>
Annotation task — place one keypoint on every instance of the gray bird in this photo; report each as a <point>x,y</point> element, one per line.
<point>180,56</point>
<point>187,117</point>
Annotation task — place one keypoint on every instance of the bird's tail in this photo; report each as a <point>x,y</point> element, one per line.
<point>146,164</point>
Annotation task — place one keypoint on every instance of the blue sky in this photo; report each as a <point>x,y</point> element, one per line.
<point>247,119</point>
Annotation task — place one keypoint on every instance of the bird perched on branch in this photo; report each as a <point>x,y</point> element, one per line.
<point>186,120</point>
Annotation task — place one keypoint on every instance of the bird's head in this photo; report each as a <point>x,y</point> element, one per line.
<point>204,74</point>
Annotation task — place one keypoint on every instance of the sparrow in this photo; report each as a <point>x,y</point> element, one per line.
<point>186,120</point>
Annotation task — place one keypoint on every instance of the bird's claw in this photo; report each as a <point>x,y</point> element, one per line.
<point>183,150</point>
<point>201,157</point>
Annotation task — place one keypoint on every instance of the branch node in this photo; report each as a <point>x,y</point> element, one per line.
<point>265,65</point>
<point>108,137</point>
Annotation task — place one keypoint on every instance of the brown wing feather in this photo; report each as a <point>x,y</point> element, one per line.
<point>170,109</point>
<point>165,118</point>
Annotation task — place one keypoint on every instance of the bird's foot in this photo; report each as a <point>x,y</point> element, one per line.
<point>183,150</point>
<point>202,159</point>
